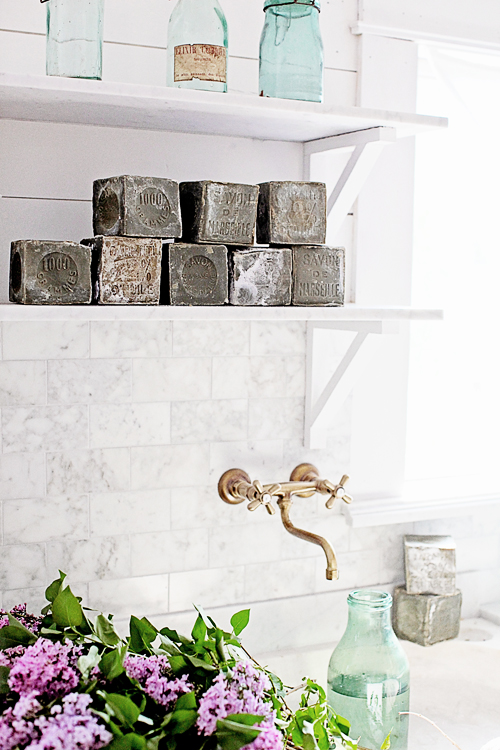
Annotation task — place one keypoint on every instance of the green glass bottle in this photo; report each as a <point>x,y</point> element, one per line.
<point>291,51</point>
<point>74,38</point>
<point>368,675</point>
<point>197,46</point>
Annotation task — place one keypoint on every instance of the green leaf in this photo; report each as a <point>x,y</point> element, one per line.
<point>177,663</point>
<point>188,700</point>
<point>142,635</point>
<point>123,708</point>
<point>232,735</point>
<point>129,741</point>
<point>87,662</point>
<point>198,663</point>
<point>105,631</point>
<point>55,587</point>
<point>12,636</point>
<point>67,610</point>
<point>4,676</point>
<point>240,620</point>
<point>199,630</point>
<point>247,719</point>
<point>182,720</point>
<point>172,634</point>
<point>386,743</point>
<point>111,664</point>
<point>342,724</point>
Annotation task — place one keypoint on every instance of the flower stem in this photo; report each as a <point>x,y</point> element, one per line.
<point>412,713</point>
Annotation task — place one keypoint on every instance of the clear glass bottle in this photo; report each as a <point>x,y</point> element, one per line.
<point>197,46</point>
<point>368,675</point>
<point>74,38</point>
<point>291,51</point>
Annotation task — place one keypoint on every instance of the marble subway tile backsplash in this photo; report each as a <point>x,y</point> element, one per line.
<point>114,436</point>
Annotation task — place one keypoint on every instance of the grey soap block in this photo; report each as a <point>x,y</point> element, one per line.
<point>426,618</point>
<point>131,206</point>
<point>198,274</point>
<point>318,275</point>
<point>430,564</point>
<point>218,212</point>
<point>292,213</point>
<point>47,272</point>
<point>260,276</point>
<point>126,270</point>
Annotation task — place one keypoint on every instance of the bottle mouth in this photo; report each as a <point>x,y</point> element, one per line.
<point>370,598</point>
<point>313,3</point>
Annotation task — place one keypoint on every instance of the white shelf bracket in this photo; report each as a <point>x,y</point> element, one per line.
<point>341,382</point>
<point>365,146</point>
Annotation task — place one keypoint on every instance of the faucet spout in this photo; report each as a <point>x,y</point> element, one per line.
<point>284,504</point>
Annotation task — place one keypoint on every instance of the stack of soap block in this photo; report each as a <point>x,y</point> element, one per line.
<point>158,242</point>
<point>427,610</point>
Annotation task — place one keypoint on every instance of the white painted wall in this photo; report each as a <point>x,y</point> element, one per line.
<point>114,435</point>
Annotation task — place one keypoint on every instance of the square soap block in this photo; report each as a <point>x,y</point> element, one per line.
<point>430,564</point>
<point>46,272</point>
<point>426,618</point>
<point>318,275</point>
<point>260,276</point>
<point>197,274</point>
<point>219,212</point>
<point>292,213</point>
<point>130,206</point>
<point>126,270</point>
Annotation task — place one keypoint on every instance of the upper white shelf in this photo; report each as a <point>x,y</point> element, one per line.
<point>69,100</point>
<point>11,311</point>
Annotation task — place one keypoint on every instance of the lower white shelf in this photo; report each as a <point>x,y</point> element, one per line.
<point>351,312</point>
<point>382,512</point>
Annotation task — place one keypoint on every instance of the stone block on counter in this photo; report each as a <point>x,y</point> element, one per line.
<point>197,274</point>
<point>130,206</point>
<point>292,213</point>
<point>49,272</point>
<point>260,276</point>
<point>430,564</point>
<point>426,618</point>
<point>126,270</point>
<point>318,275</point>
<point>218,212</point>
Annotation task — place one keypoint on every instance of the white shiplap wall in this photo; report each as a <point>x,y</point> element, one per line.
<point>114,435</point>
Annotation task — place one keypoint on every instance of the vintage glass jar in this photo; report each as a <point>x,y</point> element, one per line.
<point>368,675</point>
<point>74,38</point>
<point>197,46</point>
<point>291,51</point>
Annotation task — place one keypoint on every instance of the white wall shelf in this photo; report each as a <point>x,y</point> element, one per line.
<point>381,512</point>
<point>66,100</point>
<point>318,315</point>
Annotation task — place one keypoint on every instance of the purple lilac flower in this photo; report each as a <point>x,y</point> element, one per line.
<point>241,691</point>
<point>32,622</point>
<point>154,675</point>
<point>71,726</point>
<point>9,655</point>
<point>49,668</point>
<point>15,728</point>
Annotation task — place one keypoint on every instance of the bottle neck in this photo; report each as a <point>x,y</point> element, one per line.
<point>369,612</point>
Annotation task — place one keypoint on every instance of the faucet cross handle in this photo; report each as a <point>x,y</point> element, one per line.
<point>260,495</point>
<point>337,491</point>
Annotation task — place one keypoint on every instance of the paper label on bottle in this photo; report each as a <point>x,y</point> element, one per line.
<point>206,62</point>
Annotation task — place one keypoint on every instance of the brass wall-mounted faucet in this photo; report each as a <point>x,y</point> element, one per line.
<point>235,486</point>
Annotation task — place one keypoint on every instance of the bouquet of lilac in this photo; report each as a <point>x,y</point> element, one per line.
<point>69,682</point>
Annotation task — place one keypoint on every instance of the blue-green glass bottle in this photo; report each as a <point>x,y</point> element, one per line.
<point>368,675</point>
<point>291,51</point>
<point>197,46</point>
<point>74,38</point>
